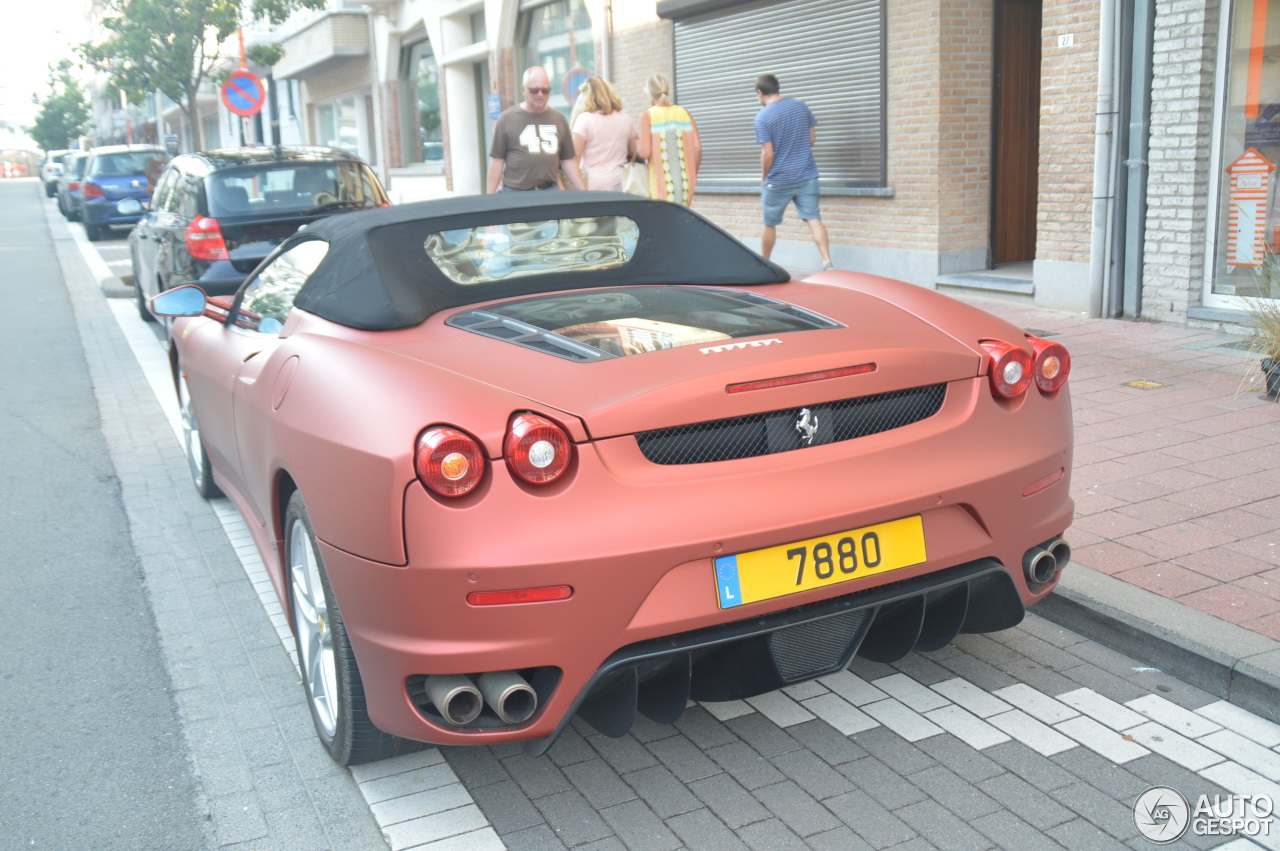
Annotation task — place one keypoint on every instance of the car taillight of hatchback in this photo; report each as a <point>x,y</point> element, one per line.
<point>92,191</point>
<point>203,239</point>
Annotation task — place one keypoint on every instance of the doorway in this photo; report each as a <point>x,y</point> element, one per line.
<point>1016,143</point>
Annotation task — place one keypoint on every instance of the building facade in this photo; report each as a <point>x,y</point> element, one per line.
<point>1085,155</point>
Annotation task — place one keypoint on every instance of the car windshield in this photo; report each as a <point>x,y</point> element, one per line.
<point>291,188</point>
<point>490,253</point>
<point>123,164</point>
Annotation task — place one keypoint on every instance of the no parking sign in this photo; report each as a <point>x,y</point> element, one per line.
<point>244,93</point>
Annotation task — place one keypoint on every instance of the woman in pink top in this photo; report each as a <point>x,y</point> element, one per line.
<point>604,137</point>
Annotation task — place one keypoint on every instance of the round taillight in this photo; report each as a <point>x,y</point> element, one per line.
<point>537,450</point>
<point>448,461</point>
<point>1009,369</point>
<point>1051,366</point>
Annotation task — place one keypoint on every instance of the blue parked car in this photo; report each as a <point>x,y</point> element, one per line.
<point>113,174</point>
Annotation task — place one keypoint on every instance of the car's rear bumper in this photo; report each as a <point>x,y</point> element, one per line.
<point>105,213</point>
<point>637,542</point>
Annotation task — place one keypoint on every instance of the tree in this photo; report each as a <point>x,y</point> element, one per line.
<point>64,114</point>
<point>172,46</point>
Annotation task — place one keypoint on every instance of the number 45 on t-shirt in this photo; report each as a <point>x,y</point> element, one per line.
<point>540,138</point>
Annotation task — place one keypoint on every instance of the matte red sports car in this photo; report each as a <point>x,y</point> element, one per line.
<point>511,458</point>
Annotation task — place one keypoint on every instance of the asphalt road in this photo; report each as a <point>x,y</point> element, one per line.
<point>1034,737</point>
<point>92,754</point>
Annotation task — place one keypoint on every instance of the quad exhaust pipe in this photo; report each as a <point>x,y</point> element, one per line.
<point>1041,563</point>
<point>459,701</point>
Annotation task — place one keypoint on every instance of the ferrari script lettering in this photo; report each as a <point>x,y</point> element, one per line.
<point>730,346</point>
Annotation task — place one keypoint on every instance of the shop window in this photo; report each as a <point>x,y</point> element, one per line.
<point>558,37</point>
<point>828,53</point>
<point>1248,207</point>
<point>421,128</point>
<point>337,125</point>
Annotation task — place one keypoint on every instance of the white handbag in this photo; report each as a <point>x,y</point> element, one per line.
<point>635,178</point>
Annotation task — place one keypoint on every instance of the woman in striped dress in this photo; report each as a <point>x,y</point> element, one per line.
<point>669,141</point>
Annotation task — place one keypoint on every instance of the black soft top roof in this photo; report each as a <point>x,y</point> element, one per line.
<point>377,275</point>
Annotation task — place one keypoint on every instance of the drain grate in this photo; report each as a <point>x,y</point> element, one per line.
<point>1145,384</point>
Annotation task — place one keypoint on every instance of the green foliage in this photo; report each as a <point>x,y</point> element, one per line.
<point>172,46</point>
<point>1263,306</point>
<point>64,113</point>
<point>265,54</point>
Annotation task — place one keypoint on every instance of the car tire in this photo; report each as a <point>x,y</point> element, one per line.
<point>138,295</point>
<point>197,458</point>
<point>50,191</point>
<point>92,232</point>
<point>330,676</point>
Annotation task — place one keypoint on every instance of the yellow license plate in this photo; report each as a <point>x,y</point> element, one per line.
<point>818,562</point>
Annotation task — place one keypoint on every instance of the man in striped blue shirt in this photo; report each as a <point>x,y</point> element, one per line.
<point>787,132</point>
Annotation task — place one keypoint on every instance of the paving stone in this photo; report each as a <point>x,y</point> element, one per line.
<point>1080,835</point>
<point>1037,704</point>
<point>419,831</point>
<point>852,688</point>
<point>731,803</point>
<point>1101,773</point>
<point>1026,801</point>
<point>1099,809</point>
<point>684,758</point>
<point>967,727</point>
<point>506,806</point>
<point>903,756</point>
<point>882,782</point>
<point>625,754</point>
<point>1115,715</point>
<point>573,819</point>
<point>540,838</point>
<point>475,766</point>
<point>1035,735</point>
<point>797,808</point>
<point>940,827</point>
<point>1179,719</point>
<point>745,764</point>
<point>811,774</point>
<point>961,758</point>
<point>537,776</point>
<point>637,826</point>
<point>571,747</point>
<point>771,835</point>
<point>953,792</point>
<point>780,709</point>
<point>923,668</point>
<point>1103,740</point>
<point>701,829</point>
<point>704,729</point>
<point>914,695</point>
<point>1012,833</point>
<point>840,714</point>
<point>662,791</point>
<point>868,819</point>
<point>1178,748</point>
<point>827,742</point>
<point>762,734</point>
<point>902,720</point>
<point>840,839</point>
<point>976,700</point>
<point>599,783</point>
<point>1243,723</point>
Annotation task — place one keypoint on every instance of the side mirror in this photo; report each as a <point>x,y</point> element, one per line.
<point>129,207</point>
<point>186,300</point>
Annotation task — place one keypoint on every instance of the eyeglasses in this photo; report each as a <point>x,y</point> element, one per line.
<point>533,90</point>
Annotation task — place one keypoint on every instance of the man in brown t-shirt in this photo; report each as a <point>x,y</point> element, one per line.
<point>532,144</point>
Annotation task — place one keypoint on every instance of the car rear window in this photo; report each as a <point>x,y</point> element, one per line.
<point>123,164</point>
<point>489,253</point>
<point>632,320</point>
<point>291,188</point>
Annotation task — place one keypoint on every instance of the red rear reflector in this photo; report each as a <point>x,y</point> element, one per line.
<point>805,378</point>
<point>1041,484</point>
<point>522,595</point>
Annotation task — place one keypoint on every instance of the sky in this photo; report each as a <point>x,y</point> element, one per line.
<point>34,34</point>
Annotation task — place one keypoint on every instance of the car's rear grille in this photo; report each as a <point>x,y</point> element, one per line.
<point>786,430</point>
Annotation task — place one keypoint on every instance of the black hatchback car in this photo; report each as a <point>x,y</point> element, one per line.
<point>216,215</point>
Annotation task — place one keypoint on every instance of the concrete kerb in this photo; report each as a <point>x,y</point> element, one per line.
<point>1221,658</point>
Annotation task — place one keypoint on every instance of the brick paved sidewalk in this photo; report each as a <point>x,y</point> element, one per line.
<point>1177,482</point>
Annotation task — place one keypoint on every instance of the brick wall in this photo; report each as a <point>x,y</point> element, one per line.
<point>1068,115</point>
<point>1183,63</point>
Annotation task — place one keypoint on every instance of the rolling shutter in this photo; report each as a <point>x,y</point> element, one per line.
<point>827,53</point>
